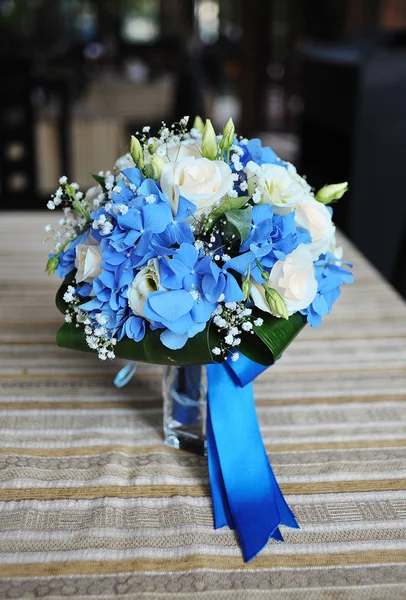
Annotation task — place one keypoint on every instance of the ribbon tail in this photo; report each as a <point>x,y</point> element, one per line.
<point>255,500</point>
<point>221,507</point>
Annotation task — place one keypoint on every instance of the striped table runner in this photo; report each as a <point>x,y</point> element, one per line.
<point>93,505</point>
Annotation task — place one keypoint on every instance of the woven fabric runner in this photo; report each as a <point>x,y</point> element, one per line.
<point>93,505</point>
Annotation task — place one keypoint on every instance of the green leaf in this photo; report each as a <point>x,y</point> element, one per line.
<point>228,204</point>
<point>242,221</point>
<point>100,180</point>
<point>272,338</point>
<point>197,350</point>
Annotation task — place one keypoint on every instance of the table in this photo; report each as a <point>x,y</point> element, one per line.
<point>92,504</point>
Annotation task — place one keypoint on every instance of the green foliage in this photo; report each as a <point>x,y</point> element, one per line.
<point>241,219</point>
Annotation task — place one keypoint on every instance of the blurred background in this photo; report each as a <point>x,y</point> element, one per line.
<point>322,82</point>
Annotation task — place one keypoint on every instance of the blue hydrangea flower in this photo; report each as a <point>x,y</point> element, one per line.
<point>67,258</point>
<point>330,276</point>
<point>184,309</point>
<point>254,151</point>
<point>272,238</point>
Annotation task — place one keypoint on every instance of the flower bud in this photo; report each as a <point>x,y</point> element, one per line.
<point>209,142</point>
<point>198,124</point>
<point>329,193</point>
<point>52,265</point>
<point>247,285</point>
<point>137,152</point>
<point>154,169</point>
<point>228,136</point>
<point>275,302</point>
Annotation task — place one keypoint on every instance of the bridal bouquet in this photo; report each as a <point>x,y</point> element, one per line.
<point>200,248</point>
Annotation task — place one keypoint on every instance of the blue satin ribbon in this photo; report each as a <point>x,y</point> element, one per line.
<point>245,493</point>
<point>125,374</point>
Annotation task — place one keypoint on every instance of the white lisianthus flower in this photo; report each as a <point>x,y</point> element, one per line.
<point>87,261</point>
<point>201,181</point>
<point>276,186</point>
<point>293,279</point>
<point>145,282</point>
<point>298,178</point>
<point>316,218</point>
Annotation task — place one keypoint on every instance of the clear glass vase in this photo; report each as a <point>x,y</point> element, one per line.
<point>184,391</point>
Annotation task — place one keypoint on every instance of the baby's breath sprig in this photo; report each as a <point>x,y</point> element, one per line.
<point>232,319</point>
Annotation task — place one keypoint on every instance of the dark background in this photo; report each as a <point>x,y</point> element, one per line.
<point>322,82</point>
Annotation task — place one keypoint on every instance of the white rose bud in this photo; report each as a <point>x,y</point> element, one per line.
<point>87,261</point>
<point>328,193</point>
<point>198,124</point>
<point>316,218</point>
<point>154,169</point>
<point>228,136</point>
<point>201,181</point>
<point>145,282</point>
<point>275,302</point>
<point>137,152</point>
<point>209,142</point>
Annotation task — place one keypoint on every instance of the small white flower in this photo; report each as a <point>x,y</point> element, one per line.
<point>63,180</point>
<point>198,245</point>
<point>88,330</point>
<point>48,228</point>
<point>68,318</point>
<point>247,326</point>
<point>221,298</point>
<point>51,205</point>
<point>235,356</point>
<point>237,341</point>
<point>234,331</point>
<point>230,305</point>
<point>146,129</point>
<point>244,142</point>
<point>195,295</point>
<point>229,339</point>
<point>244,186</point>
<point>256,196</point>
<point>75,185</point>
<point>226,257</point>
<point>216,351</point>
<point>233,193</point>
<point>101,319</point>
<point>151,199</point>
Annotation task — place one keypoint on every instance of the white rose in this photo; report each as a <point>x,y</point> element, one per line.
<point>293,278</point>
<point>201,181</point>
<point>298,178</point>
<point>87,261</point>
<point>316,218</point>
<point>175,152</point>
<point>277,187</point>
<point>145,282</point>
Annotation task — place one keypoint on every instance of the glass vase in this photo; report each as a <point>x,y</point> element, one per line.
<point>184,391</point>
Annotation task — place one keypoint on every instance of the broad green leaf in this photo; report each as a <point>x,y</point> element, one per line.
<point>242,221</point>
<point>226,206</point>
<point>100,180</point>
<point>272,338</point>
<point>197,350</point>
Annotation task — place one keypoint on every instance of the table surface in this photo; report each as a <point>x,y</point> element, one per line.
<point>92,504</point>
